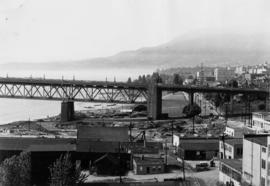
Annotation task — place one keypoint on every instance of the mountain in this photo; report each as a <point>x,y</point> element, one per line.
<point>188,50</point>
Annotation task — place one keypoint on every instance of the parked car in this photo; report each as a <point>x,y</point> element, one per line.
<point>202,167</point>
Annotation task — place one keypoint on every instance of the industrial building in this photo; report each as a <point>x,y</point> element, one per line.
<point>198,148</point>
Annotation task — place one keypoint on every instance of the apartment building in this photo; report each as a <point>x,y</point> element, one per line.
<point>261,121</point>
<point>233,148</point>
<point>223,74</point>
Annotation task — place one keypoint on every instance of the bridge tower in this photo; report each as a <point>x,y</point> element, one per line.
<point>67,110</point>
<point>154,102</point>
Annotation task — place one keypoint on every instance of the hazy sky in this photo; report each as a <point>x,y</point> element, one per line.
<point>53,30</point>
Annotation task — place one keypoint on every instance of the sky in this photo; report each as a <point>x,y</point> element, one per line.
<point>61,30</point>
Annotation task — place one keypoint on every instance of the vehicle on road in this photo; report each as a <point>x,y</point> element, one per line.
<point>202,167</point>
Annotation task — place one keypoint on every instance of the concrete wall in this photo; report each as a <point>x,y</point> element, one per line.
<point>251,162</point>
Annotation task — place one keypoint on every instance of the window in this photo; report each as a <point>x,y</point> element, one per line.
<point>262,181</point>
<point>264,149</point>
<point>263,164</point>
<point>236,176</point>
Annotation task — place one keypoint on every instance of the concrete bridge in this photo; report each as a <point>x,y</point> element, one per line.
<point>69,91</point>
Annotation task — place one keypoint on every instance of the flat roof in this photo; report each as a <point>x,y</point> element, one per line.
<point>119,134</point>
<point>149,160</point>
<point>234,141</point>
<point>52,148</point>
<point>260,139</point>
<point>22,143</point>
<point>200,144</point>
<point>233,163</point>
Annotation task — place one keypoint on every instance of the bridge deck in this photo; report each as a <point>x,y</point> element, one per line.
<point>97,91</point>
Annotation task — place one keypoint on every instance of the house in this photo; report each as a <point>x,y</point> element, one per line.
<point>148,165</point>
<point>233,148</point>
<point>230,172</point>
<point>234,131</point>
<point>255,166</point>
<point>198,148</point>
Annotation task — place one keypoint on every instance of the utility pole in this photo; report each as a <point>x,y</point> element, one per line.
<point>130,131</point>
<point>183,165</point>
<point>226,113</point>
<point>166,153</point>
<point>172,132</point>
<point>120,166</point>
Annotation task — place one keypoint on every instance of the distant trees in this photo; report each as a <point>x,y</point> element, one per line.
<point>233,83</point>
<point>16,170</point>
<point>156,78</point>
<point>129,80</point>
<point>64,173</point>
<point>177,80</point>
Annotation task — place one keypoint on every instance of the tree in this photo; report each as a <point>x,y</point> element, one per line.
<point>177,80</point>
<point>233,83</point>
<point>64,173</point>
<point>192,110</point>
<point>156,78</point>
<point>16,170</point>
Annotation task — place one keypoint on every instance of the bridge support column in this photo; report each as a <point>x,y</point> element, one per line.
<point>67,111</point>
<point>155,102</point>
<point>231,104</point>
<point>191,98</point>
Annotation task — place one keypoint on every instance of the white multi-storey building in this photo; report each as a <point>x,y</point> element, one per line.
<point>256,160</point>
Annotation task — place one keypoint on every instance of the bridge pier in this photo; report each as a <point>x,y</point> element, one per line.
<point>191,98</point>
<point>67,111</point>
<point>231,103</point>
<point>155,102</point>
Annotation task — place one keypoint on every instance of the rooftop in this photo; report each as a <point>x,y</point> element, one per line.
<point>149,160</point>
<point>52,148</point>
<point>119,134</point>
<point>233,163</point>
<point>234,141</point>
<point>260,139</point>
<point>199,143</point>
<point>22,143</point>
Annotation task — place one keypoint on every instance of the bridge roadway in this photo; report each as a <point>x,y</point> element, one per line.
<point>97,91</point>
<point>109,92</point>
